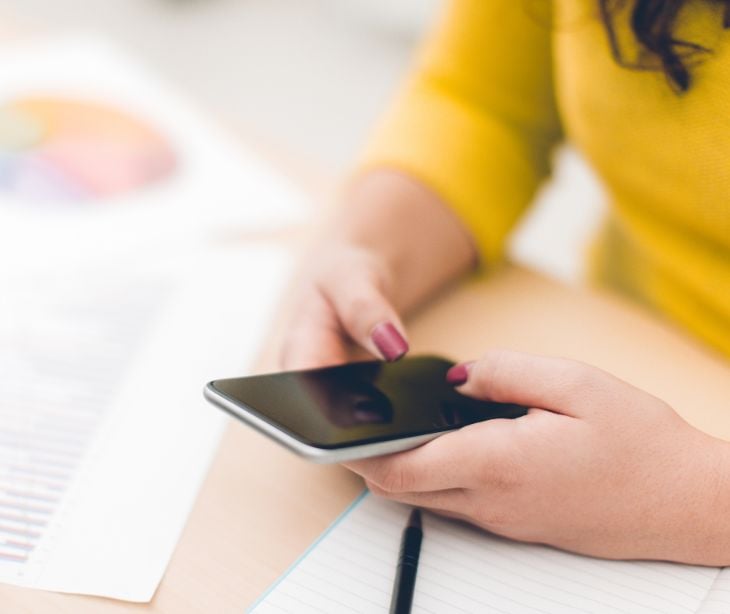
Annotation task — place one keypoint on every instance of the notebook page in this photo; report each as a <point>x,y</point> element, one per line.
<point>717,600</point>
<point>462,569</point>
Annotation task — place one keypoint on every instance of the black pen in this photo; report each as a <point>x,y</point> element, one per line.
<point>405,574</point>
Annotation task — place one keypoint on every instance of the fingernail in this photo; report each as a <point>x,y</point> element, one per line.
<point>389,341</point>
<point>458,374</point>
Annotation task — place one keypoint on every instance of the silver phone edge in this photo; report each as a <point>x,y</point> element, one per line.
<point>312,453</point>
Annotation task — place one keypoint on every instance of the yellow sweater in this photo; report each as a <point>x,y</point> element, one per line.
<point>500,82</point>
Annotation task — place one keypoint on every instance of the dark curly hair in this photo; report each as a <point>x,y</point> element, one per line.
<point>652,22</point>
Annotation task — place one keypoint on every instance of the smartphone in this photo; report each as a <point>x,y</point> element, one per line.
<point>356,410</point>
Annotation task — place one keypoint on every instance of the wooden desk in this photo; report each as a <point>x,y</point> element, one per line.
<point>260,506</point>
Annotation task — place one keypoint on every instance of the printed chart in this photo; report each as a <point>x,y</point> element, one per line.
<point>75,151</point>
<point>63,353</point>
<point>105,436</point>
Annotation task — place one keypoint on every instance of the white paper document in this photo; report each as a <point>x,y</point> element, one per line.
<point>115,310</point>
<point>462,569</point>
<point>104,434</point>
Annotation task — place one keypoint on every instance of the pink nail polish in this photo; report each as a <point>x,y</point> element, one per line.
<point>458,374</point>
<point>389,341</point>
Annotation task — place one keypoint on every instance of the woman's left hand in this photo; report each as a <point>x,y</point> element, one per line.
<point>597,466</point>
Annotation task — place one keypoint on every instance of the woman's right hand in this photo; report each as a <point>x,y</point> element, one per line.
<point>385,252</point>
<point>344,306</point>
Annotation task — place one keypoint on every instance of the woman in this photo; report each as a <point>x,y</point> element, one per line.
<point>642,88</point>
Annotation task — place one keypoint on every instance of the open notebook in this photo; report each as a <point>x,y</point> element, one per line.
<point>350,568</point>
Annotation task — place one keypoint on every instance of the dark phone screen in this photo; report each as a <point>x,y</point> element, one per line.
<point>362,402</point>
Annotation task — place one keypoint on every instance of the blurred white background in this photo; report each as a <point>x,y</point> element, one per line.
<point>308,78</point>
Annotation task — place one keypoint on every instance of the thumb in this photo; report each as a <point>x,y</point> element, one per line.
<point>556,384</point>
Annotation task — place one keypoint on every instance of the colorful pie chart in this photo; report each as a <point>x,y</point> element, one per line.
<point>75,151</point>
